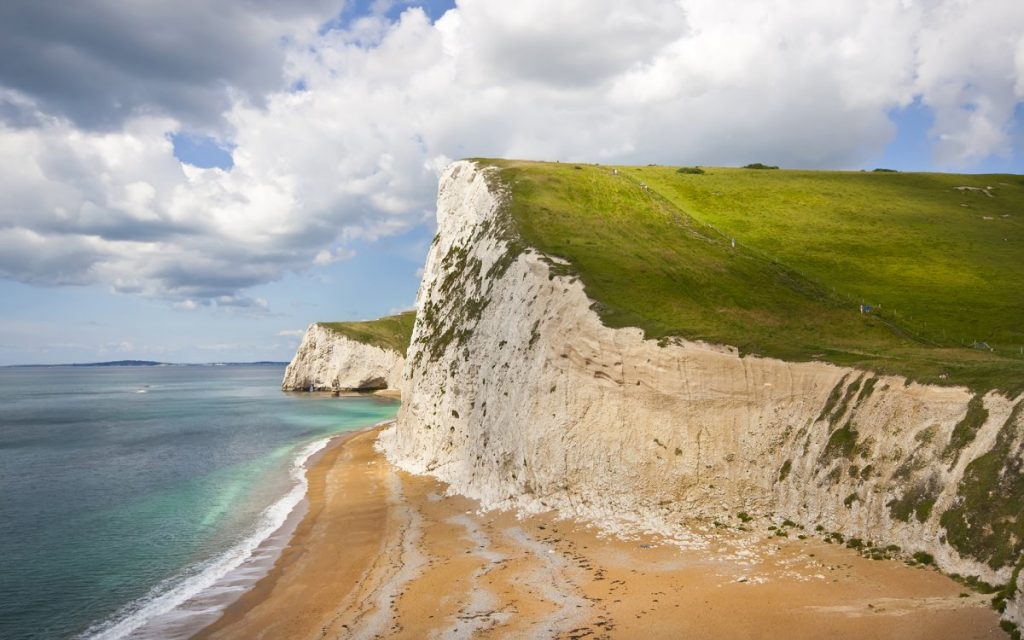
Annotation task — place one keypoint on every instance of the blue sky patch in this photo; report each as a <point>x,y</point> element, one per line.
<point>201,151</point>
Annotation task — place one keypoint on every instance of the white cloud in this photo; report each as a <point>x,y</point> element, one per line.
<point>969,71</point>
<point>567,44</point>
<point>291,333</point>
<point>355,154</point>
<point>325,257</point>
<point>99,62</point>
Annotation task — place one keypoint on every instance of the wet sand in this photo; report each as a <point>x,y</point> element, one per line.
<point>385,554</point>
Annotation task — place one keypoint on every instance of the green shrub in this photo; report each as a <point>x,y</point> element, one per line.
<point>690,170</point>
<point>1010,628</point>
<point>924,558</point>
<point>758,165</point>
<point>965,430</point>
<point>842,443</point>
<point>918,501</point>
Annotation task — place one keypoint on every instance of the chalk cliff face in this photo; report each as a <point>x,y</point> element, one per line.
<point>516,394</point>
<point>329,361</point>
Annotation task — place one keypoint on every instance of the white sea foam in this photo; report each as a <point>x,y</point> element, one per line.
<point>145,617</point>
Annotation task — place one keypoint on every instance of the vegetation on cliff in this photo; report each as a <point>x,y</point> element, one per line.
<point>390,332</point>
<point>912,274</point>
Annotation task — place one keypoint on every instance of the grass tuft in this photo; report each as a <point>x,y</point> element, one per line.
<point>918,501</point>
<point>965,430</point>
<point>784,471</point>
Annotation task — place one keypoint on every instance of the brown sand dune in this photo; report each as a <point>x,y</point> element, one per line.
<point>382,554</point>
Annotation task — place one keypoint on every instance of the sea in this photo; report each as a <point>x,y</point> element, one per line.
<point>138,501</point>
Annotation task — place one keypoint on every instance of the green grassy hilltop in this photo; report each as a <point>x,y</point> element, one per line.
<point>939,257</point>
<point>389,332</point>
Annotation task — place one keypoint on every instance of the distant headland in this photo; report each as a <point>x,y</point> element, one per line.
<point>153,363</point>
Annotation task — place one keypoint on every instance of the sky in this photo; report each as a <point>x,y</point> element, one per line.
<point>197,181</point>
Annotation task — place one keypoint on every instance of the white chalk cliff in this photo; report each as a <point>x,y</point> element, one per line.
<point>516,394</point>
<point>329,361</point>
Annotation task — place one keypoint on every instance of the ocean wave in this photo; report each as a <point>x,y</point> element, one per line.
<point>195,579</point>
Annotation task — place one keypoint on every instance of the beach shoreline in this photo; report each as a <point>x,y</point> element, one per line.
<point>383,553</point>
<point>194,603</point>
<point>309,540</point>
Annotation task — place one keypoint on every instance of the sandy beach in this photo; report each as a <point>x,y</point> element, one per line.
<point>382,553</point>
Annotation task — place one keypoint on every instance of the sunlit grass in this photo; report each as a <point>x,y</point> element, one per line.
<point>942,268</point>
<point>389,332</point>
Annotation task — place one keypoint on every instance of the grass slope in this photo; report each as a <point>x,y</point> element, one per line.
<point>389,332</point>
<point>942,267</point>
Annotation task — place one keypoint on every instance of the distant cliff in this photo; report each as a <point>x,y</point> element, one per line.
<point>516,393</point>
<point>350,356</point>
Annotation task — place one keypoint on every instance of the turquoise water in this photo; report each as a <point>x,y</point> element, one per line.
<point>122,489</point>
